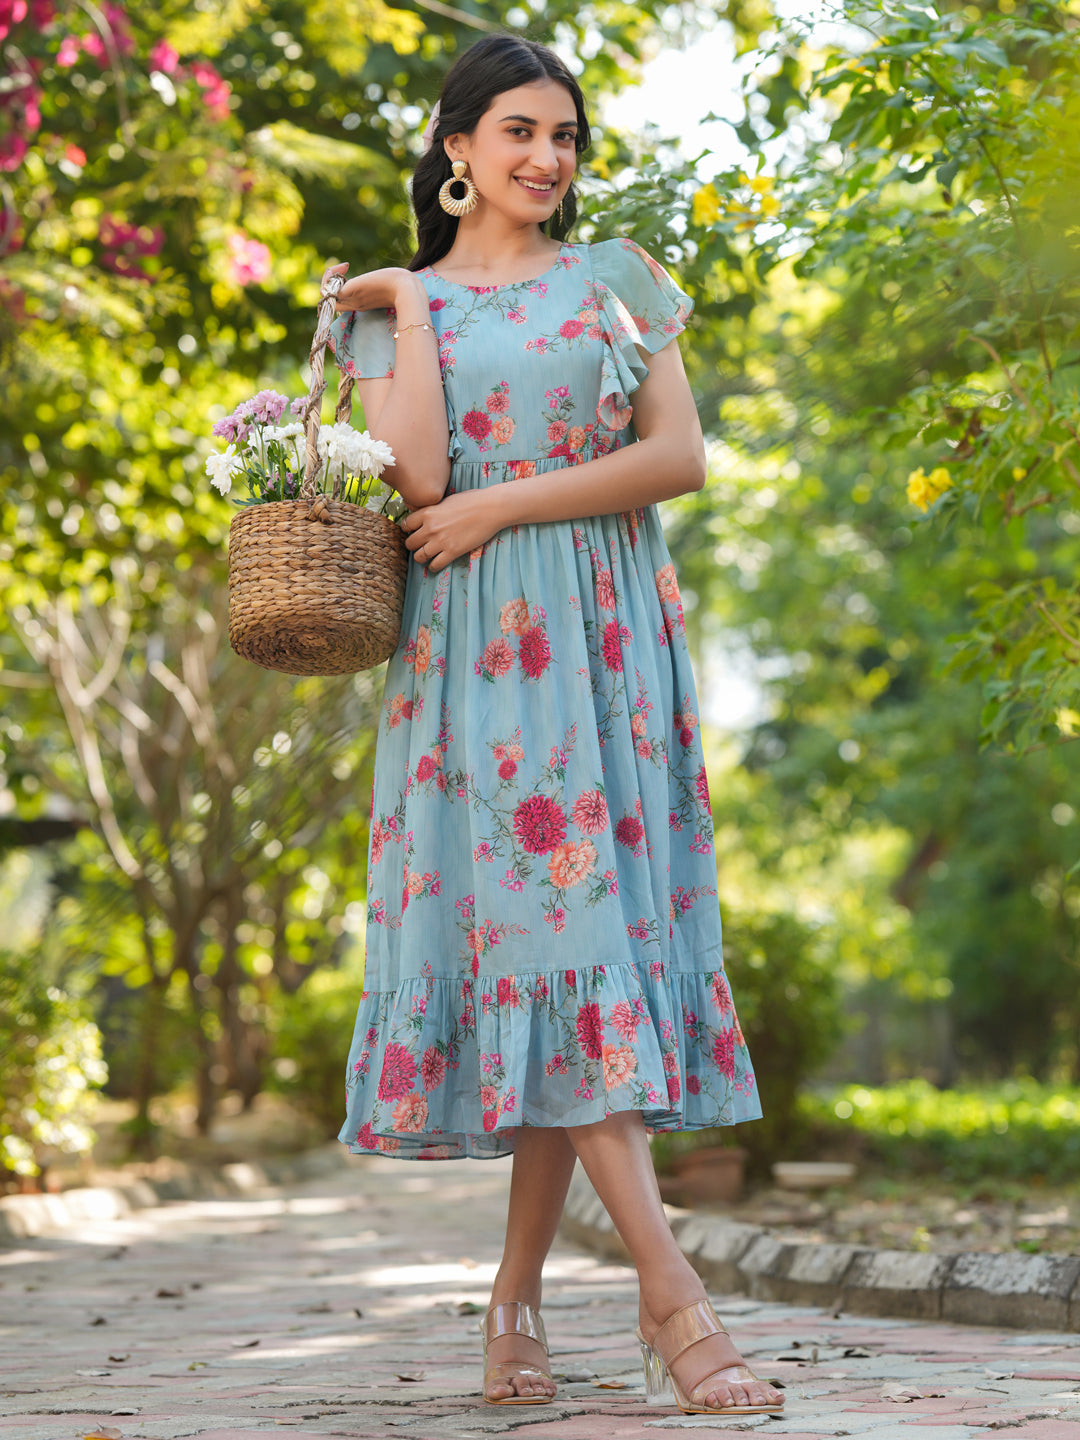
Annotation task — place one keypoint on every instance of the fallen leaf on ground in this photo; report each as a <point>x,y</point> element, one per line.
<point>103,1432</point>
<point>359,1314</point>
<point>469,1307</point>
<point>165,1294</point>
<point>609,1384</point>
<point>198,1364</point>
<point>902,1394</point>
<point>407,1375</point>
<point>118,1359</point>
<point>244,1344</point>
<point>99,1320</point>
<point>857,1352</point>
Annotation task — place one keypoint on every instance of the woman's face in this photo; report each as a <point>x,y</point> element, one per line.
<point>522,154</point>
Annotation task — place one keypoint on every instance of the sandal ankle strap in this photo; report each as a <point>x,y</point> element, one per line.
<point>513,1318</point>
<point>685,1328</point>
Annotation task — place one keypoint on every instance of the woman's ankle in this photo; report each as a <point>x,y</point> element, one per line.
<point>510,1285</point>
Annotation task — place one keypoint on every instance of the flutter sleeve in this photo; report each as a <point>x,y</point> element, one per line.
<point>640,305</point>
<point>362,343</point>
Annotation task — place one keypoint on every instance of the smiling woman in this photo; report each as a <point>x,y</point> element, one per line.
<point>544,968</point>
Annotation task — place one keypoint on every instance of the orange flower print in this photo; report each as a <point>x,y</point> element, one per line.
<point>503,430</point>
<point>667,587</point>
<point>577,437</point>
<point>570,863</point>
<point>514,617</point>
<point>418,652</point>
<point>411,1113</point>
<point>620,1062</point>
<point>415,883</point>
<point>637,724</point>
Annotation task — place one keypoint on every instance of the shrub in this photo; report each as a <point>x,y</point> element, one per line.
<point>313,1029</point>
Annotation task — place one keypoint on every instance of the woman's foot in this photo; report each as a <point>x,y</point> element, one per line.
<point>504,1381</point>
<point>702,1360</point>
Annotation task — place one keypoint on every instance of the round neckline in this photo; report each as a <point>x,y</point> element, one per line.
<point>506,284</point>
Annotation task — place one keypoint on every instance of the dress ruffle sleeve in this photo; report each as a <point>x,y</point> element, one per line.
<point>362,343</point>
<point>640,305</point>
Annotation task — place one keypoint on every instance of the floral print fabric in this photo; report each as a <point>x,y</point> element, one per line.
<point>543,933</point>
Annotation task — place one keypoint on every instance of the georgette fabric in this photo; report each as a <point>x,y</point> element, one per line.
<point>543,932</point>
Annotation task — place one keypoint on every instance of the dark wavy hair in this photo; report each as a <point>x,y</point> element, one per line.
<point>488,68</point>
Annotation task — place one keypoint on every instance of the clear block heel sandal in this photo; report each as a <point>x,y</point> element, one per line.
<point>681,1330</point>
<point>513,1318</point>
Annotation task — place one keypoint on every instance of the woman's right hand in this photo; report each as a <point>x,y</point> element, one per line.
<point>374,290</point>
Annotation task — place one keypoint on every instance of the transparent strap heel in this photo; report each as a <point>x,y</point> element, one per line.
<point>658,1389</point>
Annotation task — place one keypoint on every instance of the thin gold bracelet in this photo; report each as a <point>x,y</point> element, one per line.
<point>417,326</point>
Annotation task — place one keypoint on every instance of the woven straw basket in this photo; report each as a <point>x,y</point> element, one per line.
<point>316,585</point>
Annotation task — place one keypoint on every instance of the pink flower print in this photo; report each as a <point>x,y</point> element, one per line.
<point>497,658</point>
<point>365,1137</point>
<point>503,430</point>
<point>411,1113</point>
<point>667,586</point>
<point>491,1117</point>
<point>517,315</point>
<point>476,424</point>
<point>498,402</point>
<point>721,994</point>
<point>514,617</point>
<point>508,992</point>
<point>432,1068</point>
<point>570,979</point>
<point>620,1062</point>
<point>686,736</point>
<point>610,646</point>
<point>571,863</point>
<point>398,1072</point>
<point>625,1020</point>
<point>436,304</point>
<point>540,344</point>
<point>571,329</point>
<point>693,1084</point>
<point>629,831</point>
<point>605,589</point>
<point>701,785</point>
<point>539,824</point>
<point>590,812</point>
<point>378,836</point>
<point>535,652</point>
<point>507,770</point>
<point>590,1031</point>
<point>489,1097</point>
<point>724,1054</point>
<point>425,768</point>
<point>557,919</point>
<point>556,431</point>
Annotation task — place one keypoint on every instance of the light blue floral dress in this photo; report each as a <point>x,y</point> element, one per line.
<point>543,933</point>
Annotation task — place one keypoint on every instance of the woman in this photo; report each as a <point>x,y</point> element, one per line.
<point>544,970</point>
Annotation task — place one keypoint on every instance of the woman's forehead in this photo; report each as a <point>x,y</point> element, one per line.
<point>540,100</point>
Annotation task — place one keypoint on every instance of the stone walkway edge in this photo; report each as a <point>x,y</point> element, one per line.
<point>1024,1292</point>
<point>1039,1292</point>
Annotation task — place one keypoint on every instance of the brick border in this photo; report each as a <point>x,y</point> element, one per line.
<point>1026,1292</point>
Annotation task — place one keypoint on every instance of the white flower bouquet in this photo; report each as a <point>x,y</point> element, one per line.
<point>272,458</point>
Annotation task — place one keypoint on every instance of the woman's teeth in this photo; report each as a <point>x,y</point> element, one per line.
<point>542,188</point>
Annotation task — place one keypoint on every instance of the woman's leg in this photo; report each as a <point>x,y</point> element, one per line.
<point>543,1163</point>
<point>615,1155</point>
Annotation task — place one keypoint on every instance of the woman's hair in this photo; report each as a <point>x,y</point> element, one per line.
<point>488,68</point>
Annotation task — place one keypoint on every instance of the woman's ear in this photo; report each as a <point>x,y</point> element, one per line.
<point>454,147</point>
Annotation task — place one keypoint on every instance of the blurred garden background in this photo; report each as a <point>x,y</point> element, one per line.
<point>879,580</point>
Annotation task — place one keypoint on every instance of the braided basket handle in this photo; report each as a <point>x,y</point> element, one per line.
<point>312,407</point>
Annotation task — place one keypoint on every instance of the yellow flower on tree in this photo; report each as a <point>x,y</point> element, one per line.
<point>923,489</point>
<point>770,206</point>
<point>706,206</point>
<point>761,184</point>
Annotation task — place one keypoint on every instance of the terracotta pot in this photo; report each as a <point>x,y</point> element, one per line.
<point>712,1175</point>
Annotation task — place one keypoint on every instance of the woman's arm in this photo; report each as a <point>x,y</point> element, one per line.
<point>667,460</point>
<point>408,411</point>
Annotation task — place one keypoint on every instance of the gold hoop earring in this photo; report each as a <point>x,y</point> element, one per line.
<point>449,201</point>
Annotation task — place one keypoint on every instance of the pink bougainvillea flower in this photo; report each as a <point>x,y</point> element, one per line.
<point>68,53</point>
<point>164,58</point>
<point>249,260</point>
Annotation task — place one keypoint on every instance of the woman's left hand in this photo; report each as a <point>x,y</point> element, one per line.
<point>457,525</point>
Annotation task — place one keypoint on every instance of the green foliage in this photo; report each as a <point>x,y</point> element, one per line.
<point>1017,1130</point>
<point>50,1051</point>
<point>310,1042</point>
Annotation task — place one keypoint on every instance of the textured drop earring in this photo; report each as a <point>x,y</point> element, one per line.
<point>558,214</point>
<point>467,203</point>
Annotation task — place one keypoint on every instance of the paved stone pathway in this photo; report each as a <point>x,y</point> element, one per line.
<point>346,1306</point>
